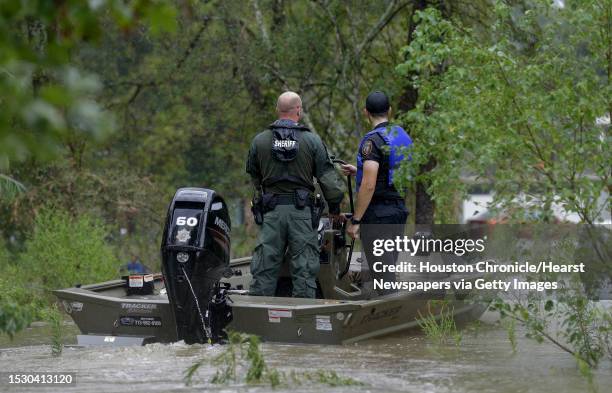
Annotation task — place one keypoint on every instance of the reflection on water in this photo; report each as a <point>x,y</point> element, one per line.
<point>484,362</point>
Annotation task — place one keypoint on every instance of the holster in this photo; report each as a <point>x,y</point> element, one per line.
<point>301,197</point>
<point>318,206</point>
<point>269,202</point>
<point>257,209</point>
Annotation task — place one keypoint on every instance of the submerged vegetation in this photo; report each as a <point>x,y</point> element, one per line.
<point>570,317</point>
<point>510,325</point>
<point>584,330</point>
<point>56,321</point>
<point>242,360</point>
<point>439,324</point>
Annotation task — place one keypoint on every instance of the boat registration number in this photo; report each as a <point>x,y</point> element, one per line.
<point>140,321</point>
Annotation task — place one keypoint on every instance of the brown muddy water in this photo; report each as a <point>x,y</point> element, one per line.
<point>408,362</point>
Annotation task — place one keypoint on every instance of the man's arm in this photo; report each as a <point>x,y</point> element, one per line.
<point>329,179</point>
<point>372,156</point>
<point>364,196</point>
<point>366,190</point>
<point>252,168</point>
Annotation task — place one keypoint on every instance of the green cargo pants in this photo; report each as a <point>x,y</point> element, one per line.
<point>286,227</point>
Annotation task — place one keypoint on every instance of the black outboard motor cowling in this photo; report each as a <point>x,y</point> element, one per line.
<point>195,253</point>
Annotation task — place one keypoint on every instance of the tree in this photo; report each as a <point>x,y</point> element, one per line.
<point>517,119</point>
<point>473,13</point>
<point>525,108</point>
<point>44,98</point>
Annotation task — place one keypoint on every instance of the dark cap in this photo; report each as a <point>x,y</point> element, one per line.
<point>377,103</point>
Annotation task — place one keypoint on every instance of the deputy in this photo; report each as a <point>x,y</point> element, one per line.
<point>380,212</point>
<point>282,162</point>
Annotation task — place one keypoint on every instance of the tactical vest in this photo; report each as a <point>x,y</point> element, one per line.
<point>285,144</point>
<point>285,148</point>
<point>397,139</point>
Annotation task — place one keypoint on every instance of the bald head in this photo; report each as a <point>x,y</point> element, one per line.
<point>289,106</point>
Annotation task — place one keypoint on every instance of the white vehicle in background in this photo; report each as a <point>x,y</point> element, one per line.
<point>478,208</point>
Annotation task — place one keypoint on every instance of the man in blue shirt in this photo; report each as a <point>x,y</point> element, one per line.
<point>380,207</point>
<point>134,266</point>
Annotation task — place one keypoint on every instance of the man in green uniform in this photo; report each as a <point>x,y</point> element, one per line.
<point>282,162</point>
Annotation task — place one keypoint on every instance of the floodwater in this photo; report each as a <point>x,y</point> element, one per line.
<point>409,362</point>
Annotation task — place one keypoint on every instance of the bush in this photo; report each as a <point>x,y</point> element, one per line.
<point>64,251</point>
<point>14,318</point>
<point>16,302</point>
<point>61,251</point>
<point>16,289</point>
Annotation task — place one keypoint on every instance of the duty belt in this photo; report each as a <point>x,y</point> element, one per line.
<point>382,201</point>
<point>289,199</point>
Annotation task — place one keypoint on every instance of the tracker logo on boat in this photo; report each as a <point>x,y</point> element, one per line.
<point>139,307</point>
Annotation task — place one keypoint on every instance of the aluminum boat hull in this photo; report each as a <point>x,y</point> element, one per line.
<point>106,315</point>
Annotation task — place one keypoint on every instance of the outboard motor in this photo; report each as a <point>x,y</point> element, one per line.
<point>195,253</point>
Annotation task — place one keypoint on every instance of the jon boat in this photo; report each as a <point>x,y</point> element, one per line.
<point>201,292</point>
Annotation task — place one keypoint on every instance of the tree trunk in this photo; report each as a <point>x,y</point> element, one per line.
<point>424,204</point>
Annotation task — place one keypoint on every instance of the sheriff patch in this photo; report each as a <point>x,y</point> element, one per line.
<point>284,143</point>
<point>366,149</point>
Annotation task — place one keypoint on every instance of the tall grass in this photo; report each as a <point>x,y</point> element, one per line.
<point>439,325</point>
<point>511,330</point>
<point>56,321</point>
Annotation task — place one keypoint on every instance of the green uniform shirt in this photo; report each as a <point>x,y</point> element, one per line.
<point>311,161</point>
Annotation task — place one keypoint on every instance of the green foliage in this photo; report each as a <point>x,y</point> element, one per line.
<point>243,348</point>
<point>9,187</point>
<point>586,371</point>
<point>438,324</point>
<point>257,364</point>
<point>520,106</point>
<point>568,317</point>
<point>243,351</point>
<point>13,318</point>
<point>63,251</point>
<point>228,360</point>
<point>183,106</point>
<point>16,302</point>
<point>45,99</point>
<point>55,319</point>
<point>15,293</point>
<point>330,378</point>
<point>19,289</point>
<point>585,326</point>
<point>511,330</point>
<point>585,329</point>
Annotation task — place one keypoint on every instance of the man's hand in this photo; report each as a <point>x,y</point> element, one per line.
<point>336,219</point>
<point>339,218</point>
<point>353,231</point>
<point>348,169</point>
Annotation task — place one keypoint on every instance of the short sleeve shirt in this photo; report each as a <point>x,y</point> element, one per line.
<point>374,149</point>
